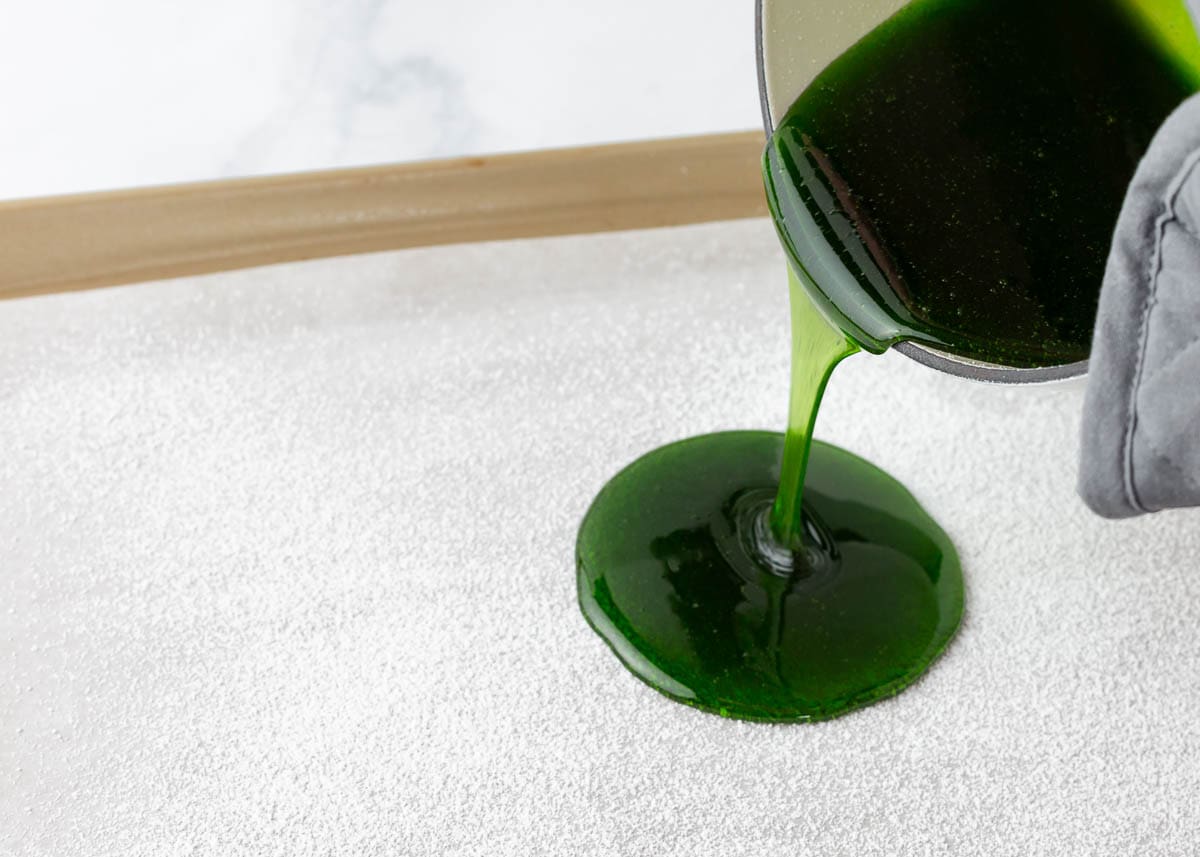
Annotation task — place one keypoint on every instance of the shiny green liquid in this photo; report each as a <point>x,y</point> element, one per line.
<point>954,178</point>
<point>767,577</point>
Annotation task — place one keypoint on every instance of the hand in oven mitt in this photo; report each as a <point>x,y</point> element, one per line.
<point>1141,421</point>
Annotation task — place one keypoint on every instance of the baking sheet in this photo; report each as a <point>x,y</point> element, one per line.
<point>286,567</point>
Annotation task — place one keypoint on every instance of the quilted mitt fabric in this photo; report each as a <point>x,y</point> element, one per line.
<point>1141,422</point>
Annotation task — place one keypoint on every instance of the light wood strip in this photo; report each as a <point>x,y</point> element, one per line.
<point>104,239</point>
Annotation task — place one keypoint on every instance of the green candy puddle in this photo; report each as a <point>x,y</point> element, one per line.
<point>669,578</point>
<point>764,577</point>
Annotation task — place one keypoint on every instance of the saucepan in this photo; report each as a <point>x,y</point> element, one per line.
<point>798,39</point>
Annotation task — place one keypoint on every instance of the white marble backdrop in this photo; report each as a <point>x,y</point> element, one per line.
<point>130,92</point>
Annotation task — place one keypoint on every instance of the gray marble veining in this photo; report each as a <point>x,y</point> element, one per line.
<point>135,92</point>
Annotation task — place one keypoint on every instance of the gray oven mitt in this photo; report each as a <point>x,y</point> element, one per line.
<point>1141,416</point>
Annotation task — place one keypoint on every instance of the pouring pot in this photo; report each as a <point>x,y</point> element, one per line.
<point>798,39</point>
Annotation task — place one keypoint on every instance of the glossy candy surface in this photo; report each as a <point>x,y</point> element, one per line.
<point>953,178</point>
